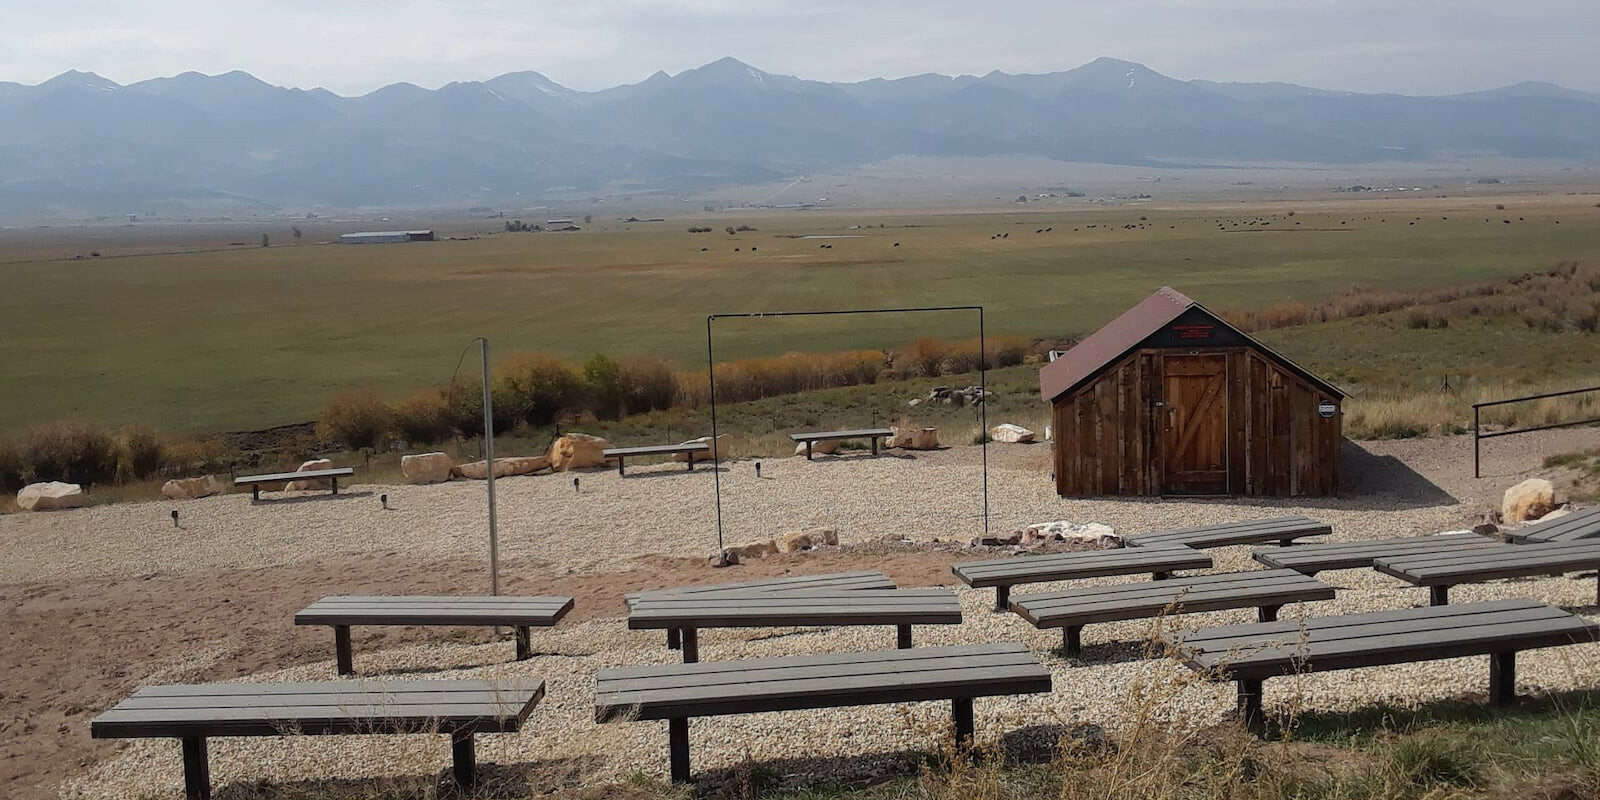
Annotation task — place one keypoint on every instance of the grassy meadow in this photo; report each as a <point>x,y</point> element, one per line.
<point>246,337</point>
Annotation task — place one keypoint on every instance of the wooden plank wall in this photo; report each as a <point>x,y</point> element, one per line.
<point>1107,439</point>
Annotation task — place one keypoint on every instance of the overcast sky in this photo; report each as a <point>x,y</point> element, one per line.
<point>354,46</point>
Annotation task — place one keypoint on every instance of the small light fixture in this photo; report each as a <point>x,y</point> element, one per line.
<point>175,518</point>
<point>575,484</point>
<point>758,469</point>
<point>384,499</point>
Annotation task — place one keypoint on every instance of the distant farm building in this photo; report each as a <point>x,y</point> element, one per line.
<point>1169,399</point>
<point>385,237</point>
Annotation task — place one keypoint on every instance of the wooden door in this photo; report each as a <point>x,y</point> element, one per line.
<point>1194,438</point>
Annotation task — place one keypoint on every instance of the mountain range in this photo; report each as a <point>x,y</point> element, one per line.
<point>79,141</point>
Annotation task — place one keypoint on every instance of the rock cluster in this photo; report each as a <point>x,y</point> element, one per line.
<point>791,542</point>
<point>971,395</point>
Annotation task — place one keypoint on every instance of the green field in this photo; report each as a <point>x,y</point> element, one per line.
<point>250,337</point>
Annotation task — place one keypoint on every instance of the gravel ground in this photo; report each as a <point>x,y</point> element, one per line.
<point>1395,488</point>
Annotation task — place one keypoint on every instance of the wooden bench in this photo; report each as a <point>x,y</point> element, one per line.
<point>1310,559</point>
<point>873,434</point>
<point>1578,525</point>
<point>1251,653</point>
<point>678,692</point>
<point>255,481</point>
<point>1004,573</point>
<point>519,613</point>
<point>688,613</point>
<point>859,579</point>
<point>192,713</point>
<point>1070,610</point>
<point>1283,530</point>
<point>622,453</point>
<point>1440,571</point>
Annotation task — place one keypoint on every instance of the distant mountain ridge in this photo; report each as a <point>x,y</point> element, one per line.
<point>80,141</point>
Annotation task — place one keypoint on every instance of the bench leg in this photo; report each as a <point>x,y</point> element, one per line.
<point>619,466</point>
<point>1439,595</point>
<point>524,643</point>
<point>961,716</point>
<point>1503,678</point>
<point>691,646</point>
<point>689,461</point>
<point>808,451</point>
<point>1072,640</point>
<point>1268,613</point>
<point>196,769</point>
<point>678,745</point>
<point>255,492</point>
<point>874,445</point>
<point>903,637</point>
<point>673,642</point>
<point>335,483</point>
<point>1002,598</point>
<point>1286,543</point>
<point>1250,711</point>
<point>464,759</point>
<point>341,649</point>
<point>1160,576</point>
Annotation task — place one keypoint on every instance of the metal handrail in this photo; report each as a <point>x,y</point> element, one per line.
<point>1478,435</point>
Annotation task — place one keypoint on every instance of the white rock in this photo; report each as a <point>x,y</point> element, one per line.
<point>315,483</point>
<point>1063,530</point>
<point>51,496</point>
<point>718,449</point>
<point>426,468</point>
<point>577,451</point>
<point>191,488</point>
<point>1531,499</point>
<point>1012,434</point>
<point>503,467</point>
<point>824,447</point>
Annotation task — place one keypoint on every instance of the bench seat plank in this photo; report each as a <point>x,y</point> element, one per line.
<point>821,681</point>
<point>1249,654</point>
<point>1576,526</point>
<point>1004,573</point>
<point>1440,571</point>
<point>192,713</point>
<point>1189,595</point>
<point>435,610</point>
<point>310,474</point>
<point>860,579</point>
<point>862,433</point>
<point>1256,531</point>
<point>1313,558</point>
<point>838,607</point>
<point>656,449</point>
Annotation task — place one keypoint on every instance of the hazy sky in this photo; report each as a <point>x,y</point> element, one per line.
<point>354,46</point>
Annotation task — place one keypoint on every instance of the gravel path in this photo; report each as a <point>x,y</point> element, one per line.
<point>1396,488</point>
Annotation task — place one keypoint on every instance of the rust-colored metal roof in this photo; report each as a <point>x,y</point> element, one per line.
<point>1120,336</point>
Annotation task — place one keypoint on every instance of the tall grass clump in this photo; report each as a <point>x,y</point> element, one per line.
<point>648,384</point>
<point>140,453</point>
<point>422,418</point>
<point>11,466</point>
<point>357,419</point>
<point>67,451</point>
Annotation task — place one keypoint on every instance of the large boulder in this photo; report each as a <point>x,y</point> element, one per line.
<point>1011,434</point>
<point>924,439</point>
<point>1531,499</point>
<point>191,488</point>
<point>503,467</point>
<point>755,549</point>
<point>426,467</point>
<point>824,447</point>
<point>51,496</point>
<point>718,451</point>
<point>577,451</point>
<point>315,483</point>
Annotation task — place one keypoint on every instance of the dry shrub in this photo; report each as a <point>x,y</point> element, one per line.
<point>536,388</point>
<point>926,356</point>
<point>358,419</point>
<point>140,453</point>
<point>647,383</point>
<point>11,466</point>
<point>422,418</point>
<point>186,456</point>
<point>756,378</point>
<point>67,451</point>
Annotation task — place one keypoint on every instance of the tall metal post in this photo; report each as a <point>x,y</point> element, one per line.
<point>488,461</point>
<point>716,450</point>
<point>983,395</point>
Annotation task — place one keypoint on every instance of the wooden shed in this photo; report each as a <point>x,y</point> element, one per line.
<point>1169,399</point>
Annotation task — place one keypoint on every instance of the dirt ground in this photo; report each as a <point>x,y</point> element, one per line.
<point>73,644</point>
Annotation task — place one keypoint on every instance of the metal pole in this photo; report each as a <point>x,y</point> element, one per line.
<point>716,451</point>
<point>488,462</point>
<point>1475,440</point>
<point>983,394</point>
